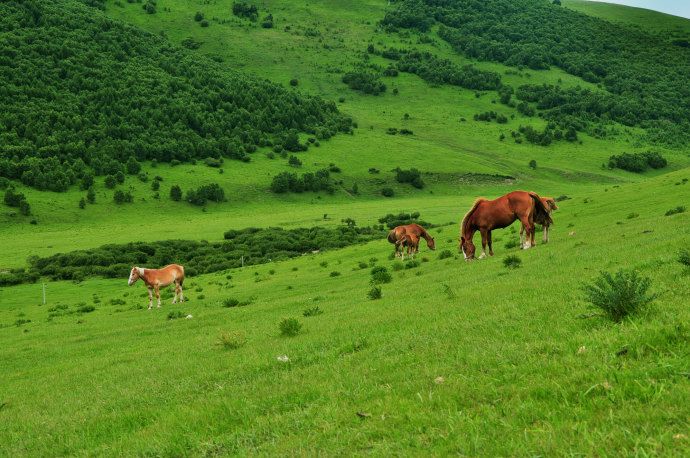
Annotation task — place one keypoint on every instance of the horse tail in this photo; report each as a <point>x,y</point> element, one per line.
<point>391,236</point>
<point>541,213</point>
<point>467,216</point>
<point>182,278</point>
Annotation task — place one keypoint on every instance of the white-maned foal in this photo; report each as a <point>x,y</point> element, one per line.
<point>154,279</point>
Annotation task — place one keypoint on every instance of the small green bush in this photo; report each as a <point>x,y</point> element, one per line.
<point>174,315</point>
<point>313,311</point>
<point>512,261</point>
<point>397,266</point>
<point>362,265</point>
<point>375,293</point>
<point>675,211</point>
<point>619,295</point>
<point>412,264</point>
<point>86,309</point>
<point>387,192</point>
<point>445,254</point>
<point>512,243</point>
<point>684,257</point>
<point>290,327</point>
<point>232,340</point>
<point>380,274</point>
<point>335,273</point>
<point>230,302</point>
<point>633,215</point>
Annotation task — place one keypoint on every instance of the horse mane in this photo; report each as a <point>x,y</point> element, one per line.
<point>466,218</point>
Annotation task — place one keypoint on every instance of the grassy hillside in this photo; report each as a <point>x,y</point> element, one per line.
<point>515,359</point>
<point>456,358</point>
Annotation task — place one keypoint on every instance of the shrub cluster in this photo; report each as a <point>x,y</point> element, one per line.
<point>205,193</point>
<point>412,176</point>
<point>255,245</point>
<point>637,162</point>
<point>391,220</point>
<point>291,182</point>
<point>245,10</point>
<point>443,71</point>
<point>491,116</point>
<point>365,82</point>
<point>17,199</point>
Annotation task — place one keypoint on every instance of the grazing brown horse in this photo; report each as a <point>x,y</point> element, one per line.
<point>396,235</point>
<point>550,204</point>
<point>487,215</point>
<point>154,279</point>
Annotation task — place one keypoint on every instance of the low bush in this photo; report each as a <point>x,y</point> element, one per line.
<point>380,274</point>
<point>684,257</point>
<point>367,83</point>
<point>290,327</point>
<point>412,264</point>
<point>232,340</point>
<point>675,211</point>
<point>387,192</point>
<point>445,254</point>
<point>335,273</point>
<point>86,309</point>
<point>619,295</point>
<point>412,176</point>
<point>312,311</point>
<point>176,314</point>
<point>375,293</point>
<point>512,261</point>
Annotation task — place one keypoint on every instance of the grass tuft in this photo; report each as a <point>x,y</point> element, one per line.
<point>619,295</point>
<point>290,327</point>
<point>232,340</point>
<point>375,293</point>
<point>312,311</point>
<point>512,261</point>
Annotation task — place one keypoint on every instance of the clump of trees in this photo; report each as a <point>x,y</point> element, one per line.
<point>443,71</point>
<point>17,199</point>
<point>491,116</point>
<point>81,93</point>
<point>637,162</point>
<point>411,176</point>
<point>291,182</point>
<point>363,81</point>
<point>205,193</point>
<point>391,220</point>
<point>245,10</point>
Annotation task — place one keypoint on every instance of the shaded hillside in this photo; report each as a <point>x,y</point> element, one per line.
<point>75,84</point>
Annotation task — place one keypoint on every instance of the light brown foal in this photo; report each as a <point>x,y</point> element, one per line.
<point>154,279</point>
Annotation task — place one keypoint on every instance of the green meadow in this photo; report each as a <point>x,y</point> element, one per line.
<point>462,358</point>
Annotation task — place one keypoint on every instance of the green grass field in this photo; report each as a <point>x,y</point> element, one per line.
<point>455,358</point>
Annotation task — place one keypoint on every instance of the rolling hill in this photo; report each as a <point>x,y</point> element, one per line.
<point>494,357</point>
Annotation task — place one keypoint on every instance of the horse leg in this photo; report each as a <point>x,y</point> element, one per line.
<point>522,232</point>
<point>529,232</point>
<point>484,241</point>
<point>176,292</point>
<point>545,239</point>
<point>157,289</point>
<point>150,297</point>
<point>491,250</point>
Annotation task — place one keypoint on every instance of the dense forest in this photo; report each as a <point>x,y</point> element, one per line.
<point>81,93</point>
<point>643,80</point>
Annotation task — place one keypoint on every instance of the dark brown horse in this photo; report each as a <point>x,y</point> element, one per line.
<point>487,215</point>
<point>396,235</point>
<point>550,204</point>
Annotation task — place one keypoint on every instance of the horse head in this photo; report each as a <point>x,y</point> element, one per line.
<point>467,248</point>
<point>431,243</point>
<point>133,276</point>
